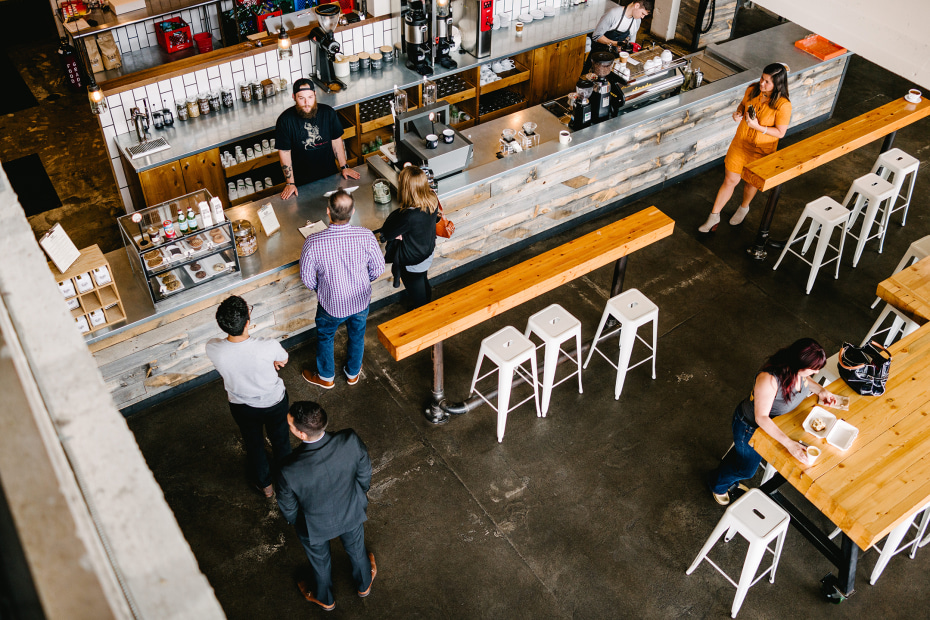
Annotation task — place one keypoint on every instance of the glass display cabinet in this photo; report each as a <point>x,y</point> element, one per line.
<point>177,245</point>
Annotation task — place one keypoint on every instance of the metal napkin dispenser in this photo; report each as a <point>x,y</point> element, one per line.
<point>411,129</point>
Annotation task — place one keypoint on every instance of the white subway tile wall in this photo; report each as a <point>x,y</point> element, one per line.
<point>166,93</point>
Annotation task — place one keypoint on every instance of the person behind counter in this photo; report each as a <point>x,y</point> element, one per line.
<point>763,116</point>
<point>411,235</point>
<point>309,141</point>
<point>781,384</point>
<point>618,28</point>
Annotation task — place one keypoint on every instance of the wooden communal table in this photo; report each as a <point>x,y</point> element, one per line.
<point>429,325</point>
<point>883,479</point>
<point>909,291</point>
<point>773,170</point>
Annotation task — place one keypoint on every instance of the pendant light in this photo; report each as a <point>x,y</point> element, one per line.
<point>98,103</point>
<point>284,44</point>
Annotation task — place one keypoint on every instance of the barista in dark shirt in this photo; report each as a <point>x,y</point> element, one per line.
<point>309,141</point>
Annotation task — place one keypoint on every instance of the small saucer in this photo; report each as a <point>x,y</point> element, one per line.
<point>910,99</point>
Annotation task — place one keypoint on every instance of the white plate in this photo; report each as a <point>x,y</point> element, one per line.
<point>537,14</point>
<point>910,99</point>
<point>525,18</point>
<point>161,280</point>
<point>828,418</point>
<point>206,265</point>
<point>550,11</point>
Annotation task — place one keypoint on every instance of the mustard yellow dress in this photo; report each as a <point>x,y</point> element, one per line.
<point>749,145</point>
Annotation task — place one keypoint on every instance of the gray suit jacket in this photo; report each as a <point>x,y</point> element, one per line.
<point>325,483</point>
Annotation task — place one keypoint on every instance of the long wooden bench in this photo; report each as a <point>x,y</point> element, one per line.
<point>429,325</point>
<point>772,171</point>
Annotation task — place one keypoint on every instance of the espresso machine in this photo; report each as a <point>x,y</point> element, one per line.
<point>416,41</point>
<point>325,48</point>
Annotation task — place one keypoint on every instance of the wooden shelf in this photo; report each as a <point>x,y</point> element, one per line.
<point>490,116</point>
<point>252,164</point>
<point>515,76</point>
<point>464,125</point>
<point>468,93</point>
<point>268,191</point>
<point>101,295</point>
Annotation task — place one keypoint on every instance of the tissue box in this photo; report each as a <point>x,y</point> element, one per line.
<point>125,6</point>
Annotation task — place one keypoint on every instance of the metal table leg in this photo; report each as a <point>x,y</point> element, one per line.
<point>619,274</point>
<point>757,250</point>
<point>434,408</point>
<point>889,140</point>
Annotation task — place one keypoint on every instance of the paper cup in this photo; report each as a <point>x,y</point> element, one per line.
<point>813,452</point>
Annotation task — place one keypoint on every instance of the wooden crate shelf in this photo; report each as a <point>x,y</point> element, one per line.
<point>103,296</point>
<point>252,164</point>
<point>268,191</point>
<point>508,78</point>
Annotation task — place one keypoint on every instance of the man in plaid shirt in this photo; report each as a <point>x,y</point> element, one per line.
<point>340,263</point>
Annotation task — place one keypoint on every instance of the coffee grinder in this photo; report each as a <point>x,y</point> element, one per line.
<point>600,97</point>
<point>581,106</point>
<point>416,40</point>
<point>325,48</point>
<point>444,41</point>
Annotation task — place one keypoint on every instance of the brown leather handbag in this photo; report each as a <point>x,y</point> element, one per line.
<point>444,227</point>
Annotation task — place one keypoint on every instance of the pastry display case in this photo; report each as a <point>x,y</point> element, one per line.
<point>180,244</point>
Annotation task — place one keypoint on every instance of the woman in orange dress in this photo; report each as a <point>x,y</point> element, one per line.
<point>755,138</point>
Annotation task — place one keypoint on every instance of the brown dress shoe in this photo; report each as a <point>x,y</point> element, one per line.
<point>374,573</point>
<point>350,379</point>
<point>305,590</point>
<point>267,491</point>
<point>312,377</point>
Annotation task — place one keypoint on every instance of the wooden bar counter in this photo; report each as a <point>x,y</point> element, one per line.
<point>497,206</point>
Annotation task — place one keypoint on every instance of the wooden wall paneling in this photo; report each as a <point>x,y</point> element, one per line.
<point>571,59</point>
<point>204,171</point>
<point>162,183</point>
<point>720,30</point>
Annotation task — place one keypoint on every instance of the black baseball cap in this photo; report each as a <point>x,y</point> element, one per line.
<point>303,84</point>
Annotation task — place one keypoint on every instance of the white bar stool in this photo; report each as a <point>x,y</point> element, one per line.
<point>830,371</point>
<point>871,193</point>
<point>632,309</point>
<point>897,165</point>
<point>508,349</point>
<point>918,250</point>
<point>901,324</point>
<point>760,521</point>
<point>826,215</point>
<point>554,325</point>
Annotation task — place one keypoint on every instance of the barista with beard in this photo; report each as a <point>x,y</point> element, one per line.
<point>309,141</point>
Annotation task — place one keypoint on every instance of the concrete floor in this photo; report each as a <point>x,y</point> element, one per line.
<point>597,510</point>
<point>593,512</point>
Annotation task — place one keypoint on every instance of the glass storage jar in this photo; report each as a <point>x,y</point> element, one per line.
<point>246,242</point>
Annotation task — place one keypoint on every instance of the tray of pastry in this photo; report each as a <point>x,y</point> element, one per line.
<point>206,267</point>
<point>155,260</point>
<point>169,283</point>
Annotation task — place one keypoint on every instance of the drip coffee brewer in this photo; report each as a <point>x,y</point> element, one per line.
<point>444,41</point>
<point>325,48</point>
<point>581,106</point>
<point>416,40</point>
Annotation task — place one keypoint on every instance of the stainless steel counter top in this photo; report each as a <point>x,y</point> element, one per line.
<point>282,250</point>
<point>250,119</point>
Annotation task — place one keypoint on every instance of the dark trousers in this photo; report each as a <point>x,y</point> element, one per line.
<point>742,461</point>
<point>320,560</point>
<point>419,292</point>
<point>253,423</point>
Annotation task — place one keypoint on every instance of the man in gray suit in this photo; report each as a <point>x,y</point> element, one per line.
<point>322,492</point>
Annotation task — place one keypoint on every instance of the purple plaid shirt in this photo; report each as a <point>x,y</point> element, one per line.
<point>340,263</point>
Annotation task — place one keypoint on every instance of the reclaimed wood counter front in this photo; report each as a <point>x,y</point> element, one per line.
<point>495,206</point>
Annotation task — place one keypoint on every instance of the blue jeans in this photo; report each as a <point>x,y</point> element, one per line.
<point>326,326</point>
<point>742,461</point>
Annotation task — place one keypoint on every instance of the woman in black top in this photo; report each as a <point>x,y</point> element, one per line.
<point>411,235</point>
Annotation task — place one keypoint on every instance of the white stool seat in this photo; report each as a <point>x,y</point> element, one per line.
<point>830,371</point>
<point>760,521</point>
<point>872,194</point>
<point>508,349</point>
<point>895,165</point>
<point>826,215</point>
<point>554,325</point>
<point>918,250</point>
<point>632,309</point>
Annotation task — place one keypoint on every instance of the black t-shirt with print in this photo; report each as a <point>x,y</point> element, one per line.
<point>310,142</point>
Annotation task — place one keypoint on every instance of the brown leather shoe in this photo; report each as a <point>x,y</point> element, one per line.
<point>312,377</point>
<point>352,380</point>
<point>305,590</point>
<point>374,573</point>
<point>267,491</point>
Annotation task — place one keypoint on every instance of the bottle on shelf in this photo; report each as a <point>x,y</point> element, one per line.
<point>191,220</point>
<point>182,222</point>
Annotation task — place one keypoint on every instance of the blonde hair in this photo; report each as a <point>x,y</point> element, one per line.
<point>414,190</point>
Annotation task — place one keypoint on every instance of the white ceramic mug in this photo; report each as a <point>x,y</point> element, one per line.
<point>497,67</point>
<point>565,137</point>
<point>813,452</point>
<point>914,95</point>
<point>507,64</point>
